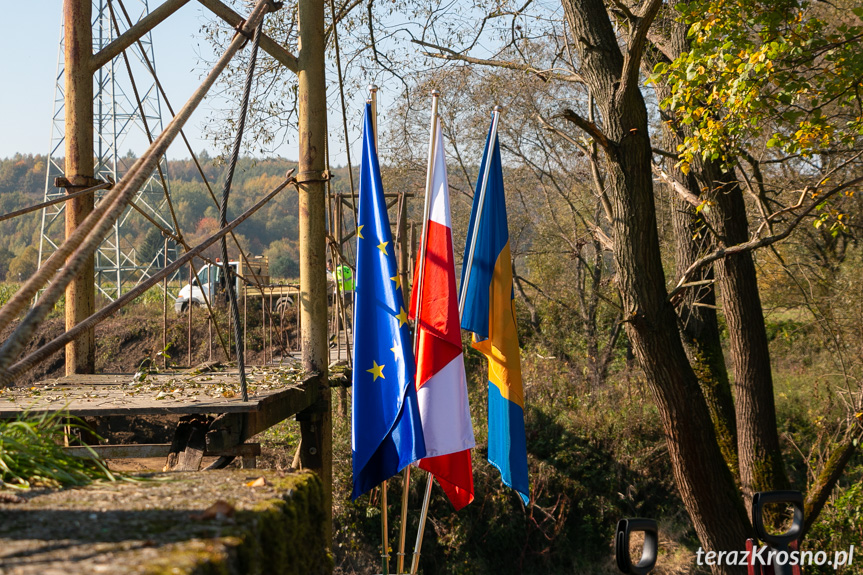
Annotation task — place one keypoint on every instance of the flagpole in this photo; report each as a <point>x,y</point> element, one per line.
<point>385,544</point>
<point>416,558</point>
<point>406,482</point>
<point>421,275</point>
<point>426,209</point>
<point>483,187</point>
<point>373,97</point>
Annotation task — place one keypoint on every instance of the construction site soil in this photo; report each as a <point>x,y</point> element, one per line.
<point>140,337</point>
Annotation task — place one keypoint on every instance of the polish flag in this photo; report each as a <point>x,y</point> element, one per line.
<point>440,376</point>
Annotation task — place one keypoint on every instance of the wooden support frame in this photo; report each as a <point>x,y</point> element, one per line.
<point>135,33</point>
<point>267,44</point>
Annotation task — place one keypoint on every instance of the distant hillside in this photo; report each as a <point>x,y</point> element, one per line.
<point>272,231</point>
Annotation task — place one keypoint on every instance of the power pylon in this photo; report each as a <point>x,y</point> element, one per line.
<point>126,106</point>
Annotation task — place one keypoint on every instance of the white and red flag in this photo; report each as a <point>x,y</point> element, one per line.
<point>440,376</point>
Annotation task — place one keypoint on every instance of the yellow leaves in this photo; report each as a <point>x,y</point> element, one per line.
<point>259,482</point>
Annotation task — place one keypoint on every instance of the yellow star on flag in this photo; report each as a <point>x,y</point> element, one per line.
<point>396,349</point>
<point>398,281</point>
<point>402,317</point>
<point>377,371</point>
<point>360,231</point>
<point>383,247</point>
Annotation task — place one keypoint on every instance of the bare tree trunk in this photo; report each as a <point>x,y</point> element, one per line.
<point>700,330</point>
<point>704,481</point>
<point>696,311</point>
<point>761,465</point>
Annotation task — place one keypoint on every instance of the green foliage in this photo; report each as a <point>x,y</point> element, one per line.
<point>7,290</point>
<point>784,70</point>
<point>156,294</point>
<point>6,256</point>
<point>594,457</point>
<point>24,264</point>
<point>31,454</point>
<point>840,524</point>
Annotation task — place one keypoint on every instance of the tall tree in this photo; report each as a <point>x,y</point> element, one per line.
<point>651,325</point>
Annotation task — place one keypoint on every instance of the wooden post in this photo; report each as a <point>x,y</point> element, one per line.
<point>316,422</point>
<point>412,260</point>
<point>402,234</point>
<point>165,310</point>
<point>78,83</point>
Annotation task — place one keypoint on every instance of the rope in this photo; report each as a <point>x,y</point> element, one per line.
<point>179,235</point>
<point>57,343</point>
<point>223,213</point>
<point>81,246</point>
<point>45,204</point>
<point>344,115</point>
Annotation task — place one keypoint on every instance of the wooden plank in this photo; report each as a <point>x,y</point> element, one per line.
<point>187,449</point>
<point>139,451</point>
<point>275,408</point>
<point>160,394</point>
<point>145,450</point>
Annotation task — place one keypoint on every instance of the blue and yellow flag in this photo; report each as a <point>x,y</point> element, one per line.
<point>490,314</point>
<point>386,433</point>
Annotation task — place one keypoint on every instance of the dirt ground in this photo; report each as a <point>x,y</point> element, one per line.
<point>164,523</point>
<point>133,338</point>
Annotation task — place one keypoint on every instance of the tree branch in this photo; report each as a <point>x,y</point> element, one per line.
<point>449,54</point>
<point>588,127</point>
<point>830,473</point>
<point>632,59</point>
<point>756,242</point>
<point>681,190</point>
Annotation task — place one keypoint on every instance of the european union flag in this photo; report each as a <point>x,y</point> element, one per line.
<point>386,433</point>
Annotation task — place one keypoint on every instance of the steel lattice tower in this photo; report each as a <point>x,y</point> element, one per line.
<point>118,122</point>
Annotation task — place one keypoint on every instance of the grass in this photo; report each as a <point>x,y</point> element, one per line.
<point>7,290</point>
<point>32,455</point>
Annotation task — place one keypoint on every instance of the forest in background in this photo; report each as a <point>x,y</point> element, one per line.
<point>595,440</point>
<point>684,212</point>
<point>272,231</point>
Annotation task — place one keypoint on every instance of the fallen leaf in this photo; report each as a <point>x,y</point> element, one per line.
<point>259,482</point>
<point>218,510</point>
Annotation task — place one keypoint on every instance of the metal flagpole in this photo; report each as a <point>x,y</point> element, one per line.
<point>416,559</point>
<point>421,275</point>
<point>469,263</point>
<point>385,545</point>
<point>373,98</point>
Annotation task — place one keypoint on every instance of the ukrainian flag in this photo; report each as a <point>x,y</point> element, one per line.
<point>386,432</point>
<point>490,314</point>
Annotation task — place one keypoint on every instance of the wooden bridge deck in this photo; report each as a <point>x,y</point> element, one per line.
<point>275,393</point>
<point>186,392</point>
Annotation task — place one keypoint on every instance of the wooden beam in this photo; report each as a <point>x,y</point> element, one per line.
<point>79,171</point>
<point>316,426</point>
<point>133,34</point>
<point>138,451</point>
<point>267,44</point>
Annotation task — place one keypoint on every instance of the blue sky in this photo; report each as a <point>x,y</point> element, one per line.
<point>29,51</point>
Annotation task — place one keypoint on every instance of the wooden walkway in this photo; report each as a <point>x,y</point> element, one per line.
<point>275,393</point>
<point>184,392</point>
